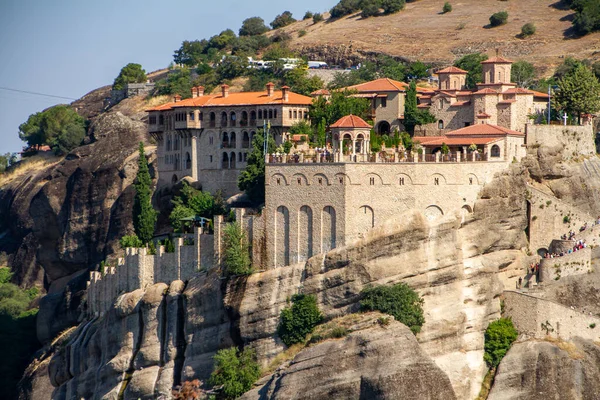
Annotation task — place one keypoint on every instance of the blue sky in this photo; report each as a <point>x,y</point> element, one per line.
<point>70,47</point>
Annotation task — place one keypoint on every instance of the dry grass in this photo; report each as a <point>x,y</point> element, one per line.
<point>486,385</point>
<point>573,351</point>
<point>27,166</point>
<point>283,357</point>
<point>63,336</point>
<point>157,101</point>
<point>421,32</point>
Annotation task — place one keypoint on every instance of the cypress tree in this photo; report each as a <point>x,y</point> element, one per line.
<point>144,216</point>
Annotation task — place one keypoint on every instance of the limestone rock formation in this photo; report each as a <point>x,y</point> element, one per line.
<point>381,362</point>
<point>537,370</point>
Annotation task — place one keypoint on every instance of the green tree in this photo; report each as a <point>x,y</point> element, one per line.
<point>370,10</point>
<point>191,52</point>
<point>252,178</point>
<point>445,149</point>
<point>528,29</point>
<point>308,15</point>
<point>523,74</point>
<point>320,138</point>
<point>283,19</point>
<point>177,82</point>
<point>392,6</point>
<point>6,160</point>
<point>567,67</point>
<point>144,216</point>
<point>340,104</point>
<point>499,336</point>
<point>60,127</point>
<point>498,18</point>
<point>344,7</point>
<point>302,128</point>
<point>578,93</point>
<point>472,64</point>
<point>413,116</point>
<point>299,320</point>
<point>318,17</point>
<point>587,16</point>
<point>300,82</point>
<point>235,371</point>
<point>447,8</point>
<point>130,241</point>
<point>231,67</point>
<point>192,202</point>
<point>253,26</point>
<point>419,70</point>
<point>236,257</point>
<point>399,300</point>
<point>131,73</point>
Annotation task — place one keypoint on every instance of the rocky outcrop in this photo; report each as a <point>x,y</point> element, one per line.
<point>540,370</point>
<point>380,362</point>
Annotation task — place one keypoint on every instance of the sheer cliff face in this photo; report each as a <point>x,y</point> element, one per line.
<point>151,340</point>
<point>68,217</point>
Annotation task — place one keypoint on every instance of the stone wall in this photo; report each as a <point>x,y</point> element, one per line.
<point>574,140</point>
<point>547,219</point>
<point>538,318</point>
<point>576,263</point>
<point>138,270</point>
<point>312,208</point>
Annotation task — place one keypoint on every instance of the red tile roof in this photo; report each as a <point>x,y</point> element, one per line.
<point>428,141</point>
<point>237,99</point>
<point>351,121</point>
<point>320,92</point>
<point>452,70</point>
<point>497,60</point>
<point>483,115</point>
<point>484,130</point>
<point>460,103</point>
<point>380,85</point>
<point>517,91</point>
<point>486,91</point>
<point>539,94</point>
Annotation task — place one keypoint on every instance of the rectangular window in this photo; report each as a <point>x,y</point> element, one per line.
<point>192,116</point>
<point>372,181</point>
<point>384,102</point>
<point>401,181</point>
<point>210,158</point>
<point>152,120</point>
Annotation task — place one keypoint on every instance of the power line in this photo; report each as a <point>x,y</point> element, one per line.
<point>36,93</point>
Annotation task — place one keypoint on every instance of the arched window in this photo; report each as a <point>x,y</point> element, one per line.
<point>225,141</point>
<point>440,124</point>
<point>495,151</point>
<point>223,118</point>
<point>245,141</point>
<point>275,113</point>
<point>240,157</point>
<point>233,118</point>
<point>244,121</point>
<point>295,114</point>
<point>174,179</point>
<point>270,114</point>
<point>260,114</point>
<point>225,161</point>
<point>291,114</point>
<point>232,140</point>
<point>253,117</point>
<point>232,160</point>
<point>188,161</point>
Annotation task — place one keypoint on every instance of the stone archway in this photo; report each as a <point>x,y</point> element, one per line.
<point>384,128</point>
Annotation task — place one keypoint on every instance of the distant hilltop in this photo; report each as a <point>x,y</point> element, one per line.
<point>422,32</point>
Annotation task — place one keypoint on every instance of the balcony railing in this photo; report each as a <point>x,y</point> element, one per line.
<point>244,122</point>
<point>383,157</point>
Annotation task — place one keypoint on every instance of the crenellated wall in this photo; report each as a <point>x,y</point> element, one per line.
<point>138,269</point>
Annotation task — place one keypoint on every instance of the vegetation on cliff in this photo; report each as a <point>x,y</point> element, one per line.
<point>297,321</point>
<point>236,257</point>
<point>131,73</point>
<point>499,336</point>
<point>399,300</point>
<point>578,92</point>
<point>191,203</point>
<point>59,127</point>
<point>252,178</point>
<point>235,371</point>
<point>413,116</point>
<point>18,338</point>
<point>144,216</point>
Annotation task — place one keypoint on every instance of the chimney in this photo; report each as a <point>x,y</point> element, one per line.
<point>285,93</point>
<point>176,98</point>
<point>270,87</point>
<point>225,90</point>
<point>194,92</point>
<point>200,90</point>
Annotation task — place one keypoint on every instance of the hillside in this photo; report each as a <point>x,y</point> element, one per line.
<point>421,32</point>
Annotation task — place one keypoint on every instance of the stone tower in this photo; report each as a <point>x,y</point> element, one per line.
<point>452,78</point>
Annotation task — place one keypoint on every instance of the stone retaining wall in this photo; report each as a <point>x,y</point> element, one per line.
<point>574,140</point>
<point>576,263</point>
<point>538,318</point>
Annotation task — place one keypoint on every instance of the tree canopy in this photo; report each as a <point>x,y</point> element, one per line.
<point>399,300</point>
<point>252,178</point>
<point>144,216</point>
<point>59,127</point>
<point>499,336</point>
<point>339,105</point>
<point>523,74</point>
<point>253,26</point>
<point>283,19</point>
<point>131,73</point>
<point>235,371</point>
<point>587,15</point>
<point>413,116</point>
<point>472,64</point>
<point>578,92</point>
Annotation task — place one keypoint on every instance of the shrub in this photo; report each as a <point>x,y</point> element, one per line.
<point>301,33</point>
<point>528,29</point>
<point>283,19</point>
<point>392,6</point>
<point>308,15</point>
<point>237,251</point>
<point>169,246</point>
<point>253,26</point>
<point>447,8</point>
<point>131,73</point>
<point>370,10</point>
<point>566,219</point>
<point>592,325</point>
<point>499,336</point>
<point>235,371</point>
<point>318,17</point>
<point>499,18</point>
<point>399,300</point>
<point>299,320</point>
<point>130,241</point>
